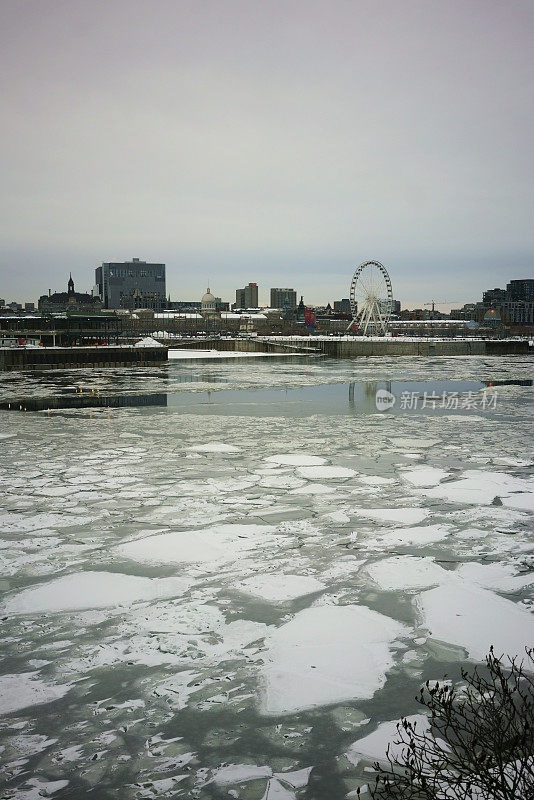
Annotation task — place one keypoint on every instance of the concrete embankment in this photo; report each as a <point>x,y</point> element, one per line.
<point>87,399</point>
<point>43,358</point>
<point>253,345</point>
<point>351,347</point>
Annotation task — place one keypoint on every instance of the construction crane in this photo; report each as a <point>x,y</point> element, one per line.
<point>442,303</point>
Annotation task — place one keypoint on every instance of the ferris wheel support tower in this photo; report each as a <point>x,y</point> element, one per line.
<point>371,298</point>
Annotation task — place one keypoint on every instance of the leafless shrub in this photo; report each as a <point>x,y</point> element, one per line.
<point>480,743</point>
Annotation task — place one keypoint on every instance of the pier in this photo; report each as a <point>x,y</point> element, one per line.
<point>44,358</point>
<point>355,346</point>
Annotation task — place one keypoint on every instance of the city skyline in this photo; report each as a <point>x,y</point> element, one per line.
<point>274,144</point>
<point>265,292</point>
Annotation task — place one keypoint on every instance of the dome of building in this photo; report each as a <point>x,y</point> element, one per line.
<point>208,304</point>
<point>492,318</point>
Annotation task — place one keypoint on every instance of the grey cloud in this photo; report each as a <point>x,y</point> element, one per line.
<point>260,141</point>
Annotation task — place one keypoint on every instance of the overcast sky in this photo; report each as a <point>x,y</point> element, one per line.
<point>275,141</point>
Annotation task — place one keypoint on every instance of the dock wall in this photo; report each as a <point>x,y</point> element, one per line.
<point>360,346</point>
<point>350,348</point>
<point>43,358</point>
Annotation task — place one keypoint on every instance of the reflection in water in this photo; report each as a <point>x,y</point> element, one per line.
<point>419,396</point>
<point>85,401</point>
<point>362,394</point>
<point>297,401</point>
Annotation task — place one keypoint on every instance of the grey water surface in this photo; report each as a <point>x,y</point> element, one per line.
<point>164,687</point>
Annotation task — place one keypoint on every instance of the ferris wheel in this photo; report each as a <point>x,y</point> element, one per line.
<point>371,298</point>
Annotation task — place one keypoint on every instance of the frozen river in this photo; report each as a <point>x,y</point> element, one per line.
<point>226,579</point>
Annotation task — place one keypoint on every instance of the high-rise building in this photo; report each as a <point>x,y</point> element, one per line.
<point>494,296</point>
<point>515,305</point>
<point>520,290</point>
<point>247,297</point>
<point>283,297</point>
<point>131,284</point>
<point>342,306</point>
<point>518,312</point>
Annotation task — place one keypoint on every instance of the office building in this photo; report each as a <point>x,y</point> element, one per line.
<point>247,297</point>
<point>515,305</point>
<point>131,284</point>
<point>283,297</point>
<point>518,312</point>
<point>466,312</point>
<point>342,306</point>
<point>493,297</point>
<point>520,291</point>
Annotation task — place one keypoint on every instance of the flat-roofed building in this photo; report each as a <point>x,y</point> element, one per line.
<point>247,297</point>
<point>520,290</point>
<point>283,297</point>
<point>131,284</point>
<point>342,306</point>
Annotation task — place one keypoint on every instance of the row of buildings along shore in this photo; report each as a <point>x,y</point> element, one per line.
<point>137,289</point>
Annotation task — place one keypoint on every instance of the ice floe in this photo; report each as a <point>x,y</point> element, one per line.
<point>475,618</point>
<point>314,488</point>
<point>421,535</point>
<point>277,782</point>
<point>374,746</point>
<point>18,523</point>
<point>185,634</point>
<point>375,480</point>
<point>204,661</point>
<point>279,588</point>
<point>35,789</point>
<point>337,516</point>
<point>491,576</point>
<point>214,447</point>
<point>402,441</point>
<point>218,543</point>
<point>326,472</point>
<point>85,590</point>
<point>277,791</point>
<point>240,773</point>
<point>481,488</point>
<point>406,572</point>
<point>324,655</point>
<point>296,460</point>
<point>26,689</point>
<point>281,482</point>
<point>425,476</point>
<point>409,516</point>
<point>296,778</point>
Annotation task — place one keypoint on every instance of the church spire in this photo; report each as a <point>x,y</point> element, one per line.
<point>70,285</point>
